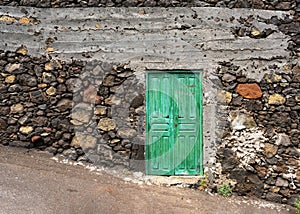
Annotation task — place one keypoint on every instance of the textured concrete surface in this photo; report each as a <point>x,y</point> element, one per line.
<point>149,36</point>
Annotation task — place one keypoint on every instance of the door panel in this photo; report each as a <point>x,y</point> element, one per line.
<point>187,124</point>
<point>174,123</point>
<point>159,132</point>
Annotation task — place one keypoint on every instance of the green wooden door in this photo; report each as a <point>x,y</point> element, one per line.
<point>174,123</point>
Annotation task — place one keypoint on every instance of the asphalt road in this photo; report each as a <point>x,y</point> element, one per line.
<point>30,182</point>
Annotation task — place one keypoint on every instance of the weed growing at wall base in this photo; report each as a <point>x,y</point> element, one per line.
<point>225,190</point>
<point>297,204</point>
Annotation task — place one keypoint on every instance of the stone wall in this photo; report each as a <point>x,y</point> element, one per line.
<point>85,111</point>
<point>73,83</point>
<point>260,148</point>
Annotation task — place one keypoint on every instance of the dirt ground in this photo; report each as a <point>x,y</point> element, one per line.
<point>30,182</point>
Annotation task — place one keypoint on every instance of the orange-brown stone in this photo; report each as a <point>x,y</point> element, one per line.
<point>90,95</point>
<point>35,138</point>
<point>249,90</point>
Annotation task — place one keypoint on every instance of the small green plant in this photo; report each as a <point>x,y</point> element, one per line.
<point>297,204</point>
<point>225,190</point>
<point>203,183</point>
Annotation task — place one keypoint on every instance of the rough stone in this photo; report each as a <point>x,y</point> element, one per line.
<point>22,50</point>
<point>16,108</point>
<point>271,78</point>
<point>298,175</point>
<point>100,110</point>
<point>12,67</point>
<point>24,119</point>
<point>229,161</point>
<point>276,99</point>
<point>113,100</point>
<point>64,105</point>
<point>49,66</point>
<point>74,85</point>
<point>42,85</point>
<point>280,182</point>
<point>228,97</point>
<point>90,95</point>
<point>271,196</point>
<point>76,122</point>
<point>7,19</point>
<point>24,20</point>
<point>127,133</point>
<point>26,129</point>
<point>106,124</point>
<point>84,141</point>
<point>3,125</point>
<point>18,143</point>
<point>82,112</point>
<point>270,150</point>
<point>224,97</point>
<point>255,32</point>
<point>51,91</point>
<point>283,139</point>
<point>284,5</point>
<point>27,80</point>
<point>37,96</point>
<point>48,77</point>
<point>240,121</point>
<point>109,80</point>
<point>4,110</point>
<point>10,79</point>
<point>249,90</point>
<point>137,101</point>
<point>36,138</point>
<point>228,77</point>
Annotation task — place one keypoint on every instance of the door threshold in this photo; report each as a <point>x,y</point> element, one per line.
<point>174,179</point>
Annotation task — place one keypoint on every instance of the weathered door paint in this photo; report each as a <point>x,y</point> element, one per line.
<point>174,123</point>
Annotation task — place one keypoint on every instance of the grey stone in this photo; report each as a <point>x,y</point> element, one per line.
<point>25,118</point>
<point>27,80</point>
<point>271,196</point>
<point>12,121</point>
<point>37,96</point>
<point>12,67</point>
<point>283,139</point>
<point>70,154</point>
<point>280,182</point>
<point>4,110</point>
<point>64,105</point>
<point>127,133</point>
<point>74,84</point>
<point>14,88</point>
<point>3,125</point>
<point>228,77</point>
<point>82,112</point>
<point>48,77</point>
<point>24,144</point>
<point>137,101</point>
